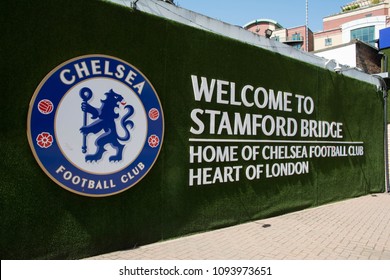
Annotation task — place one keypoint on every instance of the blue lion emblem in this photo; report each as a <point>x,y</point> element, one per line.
<point>105,121</point>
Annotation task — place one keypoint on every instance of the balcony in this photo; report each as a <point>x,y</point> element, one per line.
<point>292,39</point>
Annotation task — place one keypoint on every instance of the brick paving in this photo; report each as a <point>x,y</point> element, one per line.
<point>353,229</point>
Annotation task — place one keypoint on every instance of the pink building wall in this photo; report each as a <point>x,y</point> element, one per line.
<point>261,27</point>
<point>336,23</point>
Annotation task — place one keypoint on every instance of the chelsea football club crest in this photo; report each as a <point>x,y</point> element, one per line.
<point>95,125</point>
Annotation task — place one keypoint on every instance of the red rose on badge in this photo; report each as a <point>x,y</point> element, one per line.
<point>44,140</point>
<point>153,141</point>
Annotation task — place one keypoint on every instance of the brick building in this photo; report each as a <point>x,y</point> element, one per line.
<point>295,36</point>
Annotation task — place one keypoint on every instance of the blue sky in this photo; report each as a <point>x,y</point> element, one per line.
<point>288,13</point>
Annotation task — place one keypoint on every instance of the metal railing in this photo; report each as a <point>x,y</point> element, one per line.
<point>291,39</point>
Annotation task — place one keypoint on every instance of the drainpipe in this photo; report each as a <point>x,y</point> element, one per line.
<point>385,91</point>
<point>386,70</point>
<point>387,188</point>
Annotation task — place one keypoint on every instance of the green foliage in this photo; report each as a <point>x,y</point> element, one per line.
<point>351,7</point>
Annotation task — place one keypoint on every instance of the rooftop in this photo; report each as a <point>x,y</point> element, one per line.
<point>261,20</point>
<point>360,4</point>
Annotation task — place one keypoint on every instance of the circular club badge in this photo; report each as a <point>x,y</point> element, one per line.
<point>95,125</point>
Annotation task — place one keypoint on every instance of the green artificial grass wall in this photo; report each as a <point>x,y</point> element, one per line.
<point>41,220</point>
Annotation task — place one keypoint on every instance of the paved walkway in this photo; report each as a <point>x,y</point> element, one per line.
<point>353,229</point>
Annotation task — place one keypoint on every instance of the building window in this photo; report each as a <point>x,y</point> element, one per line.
<point>296,37</point>
<point>365,34</point>
<point>328,41</point>
<point>276,38</point>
